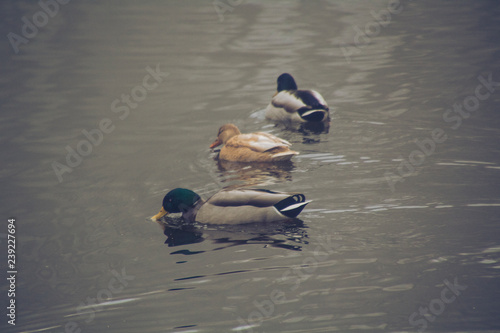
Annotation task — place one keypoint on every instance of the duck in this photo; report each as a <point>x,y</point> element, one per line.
<point>291,104</point>
<point>233,206</point>
<point>252,147</point>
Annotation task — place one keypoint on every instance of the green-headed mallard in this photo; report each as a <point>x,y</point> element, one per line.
<point>253,147</point>
<point>233,206</point>
<point>290,104</point>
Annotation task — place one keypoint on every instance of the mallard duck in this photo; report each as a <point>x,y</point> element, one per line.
<point>290,104</point>
<point>253,147</point>
<point>233,206</point>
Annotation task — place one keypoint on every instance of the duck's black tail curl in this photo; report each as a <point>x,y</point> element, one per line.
<point>292,206</point>
<point>316,115</point>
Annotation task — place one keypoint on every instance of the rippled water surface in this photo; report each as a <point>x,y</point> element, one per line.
<point>403,231</point>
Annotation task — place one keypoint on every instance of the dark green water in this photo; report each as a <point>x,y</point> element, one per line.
<point>403,232</point>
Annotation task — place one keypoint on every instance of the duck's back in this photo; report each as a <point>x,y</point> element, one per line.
<point>210,214</point>
<point>241,206</point>
<point>293,104</point>
<point>256,147</point>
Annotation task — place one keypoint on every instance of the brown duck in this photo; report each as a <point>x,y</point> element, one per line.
<point>252,147</point>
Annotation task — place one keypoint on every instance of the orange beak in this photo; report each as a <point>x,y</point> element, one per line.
<point>158,216</point>
<point>216,143</point>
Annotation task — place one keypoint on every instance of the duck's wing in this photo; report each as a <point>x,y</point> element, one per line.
<point>259,142</point>
<point>294,100</point>
<point>247,197</point>
<point>288,101</point>
<point>312,98</point>
<point>274,138</point>
<point>250,205</point>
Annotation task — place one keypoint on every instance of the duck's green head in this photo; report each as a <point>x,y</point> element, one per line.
<point>286,82</point>
<point>179,200</point>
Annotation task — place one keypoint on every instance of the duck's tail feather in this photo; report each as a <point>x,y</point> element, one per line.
<point>315,115</point>
<point>284,156</point>
<point>292,206</point>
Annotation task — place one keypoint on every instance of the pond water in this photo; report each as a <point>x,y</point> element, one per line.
<point>107,106</point>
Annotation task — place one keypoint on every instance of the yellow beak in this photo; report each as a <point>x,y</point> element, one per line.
<point>158,216</point>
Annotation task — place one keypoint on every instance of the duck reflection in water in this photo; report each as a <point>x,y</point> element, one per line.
<point>255,173</point>
<point>305,128</point>
<point>179,234</point>
<point>290,235</point>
